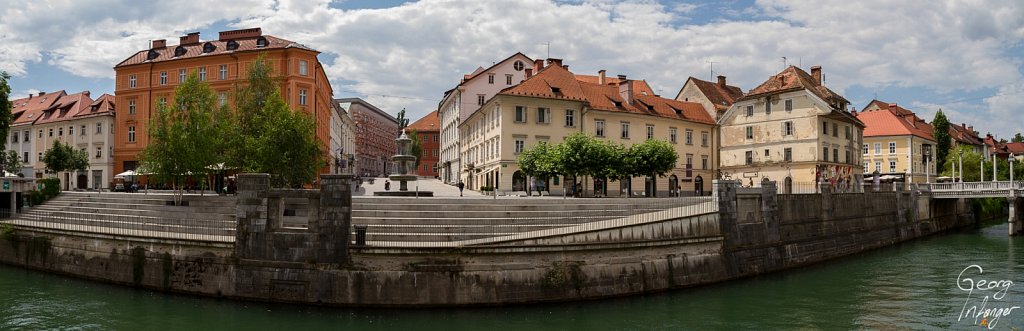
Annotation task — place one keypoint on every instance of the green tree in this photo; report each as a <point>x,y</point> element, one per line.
<point>972,161</point>
<point>415,148</point>
<point>62,157</point>
<point>942,140</point>
<point>250,118</point>
<point>539,161</point>
<point>184,137</point>
<point>288,149</point>
<point>651,158</point>
<point>13,163</point>
<point>1018,138</point>
<point>5,112</point>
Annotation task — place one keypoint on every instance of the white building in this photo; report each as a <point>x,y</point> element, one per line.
<point>343,138</point>
<point>461,101</point>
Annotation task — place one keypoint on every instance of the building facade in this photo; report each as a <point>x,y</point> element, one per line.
<point>148,78</point>
<point>74,119</point>
<point>793,130</point>
<point>376,132</point>
<point>964,135</point>
<point>555,103</point>
<point>897,143</point>
<point>343,139</point>
<point>429,133</point>
<point>715,97</point>
<point>464,99</point>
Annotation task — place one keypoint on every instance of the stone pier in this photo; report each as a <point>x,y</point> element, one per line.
<point>1016,226</point>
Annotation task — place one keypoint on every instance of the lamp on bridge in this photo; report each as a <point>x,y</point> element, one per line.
<point>927,169</point>
<point>961,160</point>
<point>1011,168</point>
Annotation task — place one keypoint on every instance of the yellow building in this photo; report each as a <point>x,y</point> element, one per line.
<point>555,103</point>
<point>896,142</point>
<point>793,130</point>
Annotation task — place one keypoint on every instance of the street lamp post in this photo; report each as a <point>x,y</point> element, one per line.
<point>960,158</point>
<point>927,169</point>
<point>1011,168</point>
<point>994,167</point>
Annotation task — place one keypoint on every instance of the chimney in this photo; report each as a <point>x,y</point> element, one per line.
<point>721,80</point>
<point>625,89</point>
<point>970,129</point>
<point>86,93</point>
<point>816,73</point>
<point>566,67</point>
<point>240,34</point>
<point>538,65</point>
<point>189,39</point>
<point>554,62</point>
<point>600,77</point>
<point>529,73</point>
<point>41,93</point>
<point>159,43</point>
<point>854,112</point>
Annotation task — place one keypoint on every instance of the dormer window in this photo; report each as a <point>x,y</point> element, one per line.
<point>152,55</point>
<point>556,90</point>
<point>618,104</point>
<point>179,51</point>
<point>209,47</point>
<point>232,45</point>
<point>649,107</point>
<point>261,42</point>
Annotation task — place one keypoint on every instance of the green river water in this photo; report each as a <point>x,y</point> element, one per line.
<point>908,286</point>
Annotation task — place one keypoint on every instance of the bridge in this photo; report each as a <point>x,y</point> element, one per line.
<point>1011,190</point>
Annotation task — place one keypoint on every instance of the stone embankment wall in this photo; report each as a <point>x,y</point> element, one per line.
<point>756,231</point>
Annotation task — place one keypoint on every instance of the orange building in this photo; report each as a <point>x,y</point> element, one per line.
<point>148,78</point>
<point>428,129</point>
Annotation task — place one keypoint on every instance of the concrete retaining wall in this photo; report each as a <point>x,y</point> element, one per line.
<point>757,231</point>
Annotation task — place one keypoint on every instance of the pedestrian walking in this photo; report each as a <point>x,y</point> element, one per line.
<point>461,186</point>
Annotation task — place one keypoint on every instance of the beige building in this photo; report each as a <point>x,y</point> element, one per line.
<point>343,138</point>
<point>555,103</point>
<point>793,130</point>
<point>896,143</point>
<point>715,97</point>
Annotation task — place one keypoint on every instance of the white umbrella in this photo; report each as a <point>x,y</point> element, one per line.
<point>128,173</point>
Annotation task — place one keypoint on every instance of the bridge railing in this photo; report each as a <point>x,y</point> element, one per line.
<point>976,186</point>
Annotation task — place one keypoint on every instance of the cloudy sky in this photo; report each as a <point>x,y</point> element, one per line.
<point>965,57</point>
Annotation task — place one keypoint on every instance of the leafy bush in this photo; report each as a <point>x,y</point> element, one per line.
<point>51,187</point>
<point>486,189</point>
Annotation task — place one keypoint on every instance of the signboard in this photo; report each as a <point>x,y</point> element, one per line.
<point>7,186</point>
<point>750,174</point>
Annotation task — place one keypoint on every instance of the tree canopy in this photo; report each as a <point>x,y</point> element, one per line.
<point>5,111</point>
<point>650,158</point>
<point>63,157</point>
<point>940,126</point>
<point>582,155</point>
<point>1018,138</point>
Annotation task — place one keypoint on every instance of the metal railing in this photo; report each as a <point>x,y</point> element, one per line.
<point>458,225</point>
<point>190,229</point>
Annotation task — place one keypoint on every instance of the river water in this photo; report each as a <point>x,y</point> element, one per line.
<point>909,286</point>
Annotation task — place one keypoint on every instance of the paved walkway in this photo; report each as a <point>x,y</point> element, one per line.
<point>423,184</point>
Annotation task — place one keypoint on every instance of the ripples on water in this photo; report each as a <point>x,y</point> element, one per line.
<point>909,286</point>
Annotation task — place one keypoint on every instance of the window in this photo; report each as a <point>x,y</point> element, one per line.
<point>508,79</point>
<point>878,165</point>
<point>750,111</point>
<point>99,152</point>
<point>848,136</point>
<point>223,72</point>
<point>878,148</point>
<point>750,157</point>
<point>570,118</point>
<point>40,133</point>
<point>650,131</point>
<point>866,166</point>
<point>750,132</point>
<point>787,154</point>
<point>767,153</point>
<point>847,157</point>
<point>303,67</point>
<point>222,99</point>
<point>824,128</point>
<point>865,149</point>
<point>892,147</point>
<point>787,128</point>
<point>60,131</point>
<point>50,132</point>
<point>689,137</point>
<point>163,78</point>
<point>625,130</point>
<point>835,129</point>
<point>672,135</point>
<point>71,130</point>
<point>689,161</point>
<point>767,107</point>
<point>490,78</point>
<point>543,115</point>
<point>99,127</point>
<point>181,76</point>
<point>24,157</point>
<point>202,74</point>
<point>131,107</point>
<point>824,154</point>
<point>302,97</point>
<point>26,135</point>
<point>131,81</point>
<point>599,128</point>
<point>835,155</point>
<point>520,145</point>
<point>14,138</point>
<point>520,114</point>
<point>162,102</point>
<point>892,166</point>
<point>704,138</point>
<point>480,99</point>
<point>704,162</point>
<point>131,134</point>
<point>39,158</point>
<point>789,104</point>
<point>518,65</point>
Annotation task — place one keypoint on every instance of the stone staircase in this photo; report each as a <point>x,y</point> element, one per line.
<point>147,215</point>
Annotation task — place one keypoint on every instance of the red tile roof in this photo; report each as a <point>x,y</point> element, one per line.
<point>720,96</point>
<point>793,79</point>
<point>245,44</point>
<point>28,110</point>
<point>428,123</point>
<point>893,120</point>
<point>1015,148</point>
<point>480,70</point>
<point>963,135</point>
<point>555,82</point>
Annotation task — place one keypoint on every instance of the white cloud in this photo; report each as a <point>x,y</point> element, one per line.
<point>414,52</point>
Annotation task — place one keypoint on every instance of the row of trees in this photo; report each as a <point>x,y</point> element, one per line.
<point>973,163</point>
<point>194,137</point>
<point>582,155</point>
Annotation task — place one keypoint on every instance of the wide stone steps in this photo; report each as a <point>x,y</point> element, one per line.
<point>133,224</point>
